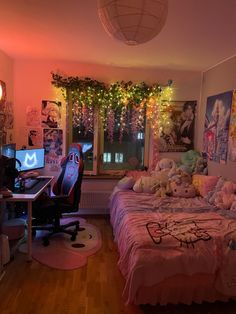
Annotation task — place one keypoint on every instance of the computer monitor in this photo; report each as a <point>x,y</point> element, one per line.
<point>31,159</point>
<point>8,150</point>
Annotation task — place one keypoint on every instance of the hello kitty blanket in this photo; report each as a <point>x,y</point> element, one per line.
<point>155,245</point>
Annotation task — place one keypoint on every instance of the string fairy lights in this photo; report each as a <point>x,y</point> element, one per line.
<point>122,106</point>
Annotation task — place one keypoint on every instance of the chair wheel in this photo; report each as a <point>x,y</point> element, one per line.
<point>45,242</point>
<point>73,237</point>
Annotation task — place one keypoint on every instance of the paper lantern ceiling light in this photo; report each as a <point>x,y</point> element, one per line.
<point>133,21</point>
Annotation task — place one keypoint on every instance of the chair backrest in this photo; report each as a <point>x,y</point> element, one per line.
<point>70,178</point>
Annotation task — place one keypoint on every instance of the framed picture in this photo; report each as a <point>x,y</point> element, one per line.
<point>177,134</point>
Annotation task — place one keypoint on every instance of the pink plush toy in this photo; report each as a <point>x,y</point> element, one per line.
<point>226,196</point>
<point>182,190</point>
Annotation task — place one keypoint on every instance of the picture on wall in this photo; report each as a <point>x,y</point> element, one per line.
<point>232,130</point>
<point>216,131</point>
<point>33,116</point>
<point>51,114</point>
<point>35,137</point>
<point>3,95</point>
<point>178,134</point>
<point>52,142</point>
<point>9,115</point>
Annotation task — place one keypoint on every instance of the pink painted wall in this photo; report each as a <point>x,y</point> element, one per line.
<point>216,80</point>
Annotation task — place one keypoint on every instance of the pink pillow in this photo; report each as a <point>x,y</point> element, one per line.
<point>204,184</point>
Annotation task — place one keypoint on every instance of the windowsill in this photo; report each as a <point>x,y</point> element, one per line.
<point>102,176</point>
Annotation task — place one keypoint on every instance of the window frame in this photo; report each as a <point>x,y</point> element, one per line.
<point>98,143</point>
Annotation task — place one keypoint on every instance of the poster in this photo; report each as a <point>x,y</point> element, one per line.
<point>232,130</point>
<point>9,115</point>
<point>35,137</point>
<point>177,134</point>
<point>51,114</point>
<point>33,115</point>
<point>216,130</point>
<point>3,95</point>
<point>52,143</point>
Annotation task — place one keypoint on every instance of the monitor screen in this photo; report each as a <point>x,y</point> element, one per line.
<point>30,159</point>
<point>8,150</point>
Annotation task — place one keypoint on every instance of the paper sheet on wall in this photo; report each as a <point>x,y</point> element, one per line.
<point>33,115</point>
<point>51,114</point>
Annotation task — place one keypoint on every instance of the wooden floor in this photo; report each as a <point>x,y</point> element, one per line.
<point>93,289</point>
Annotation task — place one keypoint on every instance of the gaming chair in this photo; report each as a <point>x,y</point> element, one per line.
<point>67,190</point>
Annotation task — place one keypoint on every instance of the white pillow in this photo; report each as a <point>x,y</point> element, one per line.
<point>126,183</point>
<point>146,185</point>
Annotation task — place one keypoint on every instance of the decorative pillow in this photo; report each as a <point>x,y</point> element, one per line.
<point>211,195</point>
<point>126,183</point>
<point>226,196</point>
<point>146,185</point>
<point>203,184</point>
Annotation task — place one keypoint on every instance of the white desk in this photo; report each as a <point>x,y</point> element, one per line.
<point>29,199</point>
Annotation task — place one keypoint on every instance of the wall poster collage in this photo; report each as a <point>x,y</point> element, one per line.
<point>43,131</point>
<point>6,116</point>
<point>178,134</point>
<point>219,134</point>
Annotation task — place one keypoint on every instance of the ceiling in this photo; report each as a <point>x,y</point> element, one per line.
<point>198,34</point>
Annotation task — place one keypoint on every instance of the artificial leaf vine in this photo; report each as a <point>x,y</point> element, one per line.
<point>122,105</point>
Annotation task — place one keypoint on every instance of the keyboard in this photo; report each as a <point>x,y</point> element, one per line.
<point>29,183</point>
<point>35,186</point>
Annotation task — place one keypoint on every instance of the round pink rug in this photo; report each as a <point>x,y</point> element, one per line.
<point>62,253</point>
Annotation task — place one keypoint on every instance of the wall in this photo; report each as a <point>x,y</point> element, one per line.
<point>216,80</point>
<point>6,75</point>
<point>33,83</point>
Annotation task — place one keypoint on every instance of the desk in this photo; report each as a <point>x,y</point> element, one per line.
<point>28,198</point>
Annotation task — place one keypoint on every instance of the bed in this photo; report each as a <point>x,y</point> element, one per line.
<point>173,249</point>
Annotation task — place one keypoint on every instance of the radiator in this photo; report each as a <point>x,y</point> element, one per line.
<point>94,201</point>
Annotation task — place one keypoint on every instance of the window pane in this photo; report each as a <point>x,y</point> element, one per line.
<point>125,154</point>
<point>86,141</point>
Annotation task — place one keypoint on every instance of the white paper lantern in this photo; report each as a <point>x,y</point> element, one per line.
<point>133,21</point>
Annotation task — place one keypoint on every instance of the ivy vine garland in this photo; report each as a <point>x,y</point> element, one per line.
<point>122,106</point>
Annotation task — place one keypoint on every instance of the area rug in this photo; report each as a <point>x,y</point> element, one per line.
<point>62,253</point>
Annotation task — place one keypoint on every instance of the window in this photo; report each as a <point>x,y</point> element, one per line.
<point>107,157</point>
<point>101,155</point>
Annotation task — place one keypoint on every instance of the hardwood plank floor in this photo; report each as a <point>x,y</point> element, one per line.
<point>93,289</point>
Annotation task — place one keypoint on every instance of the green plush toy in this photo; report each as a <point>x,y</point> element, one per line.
<point>188,160</point>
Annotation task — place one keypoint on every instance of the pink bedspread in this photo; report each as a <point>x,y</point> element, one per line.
<point>156,245</point>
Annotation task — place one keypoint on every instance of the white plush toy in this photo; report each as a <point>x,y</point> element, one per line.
<point>165,163</point>
<point>163,167</point>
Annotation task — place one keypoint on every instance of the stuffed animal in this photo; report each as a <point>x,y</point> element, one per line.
<point>179,176</point>
<point>189,159</point>
<point>163,190</point>
<point>165,163</point>
<point>201,166</point>
<point>163,167</point>
<point>182,190</point>
<point>226,196</point>
<point>146,185</point>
